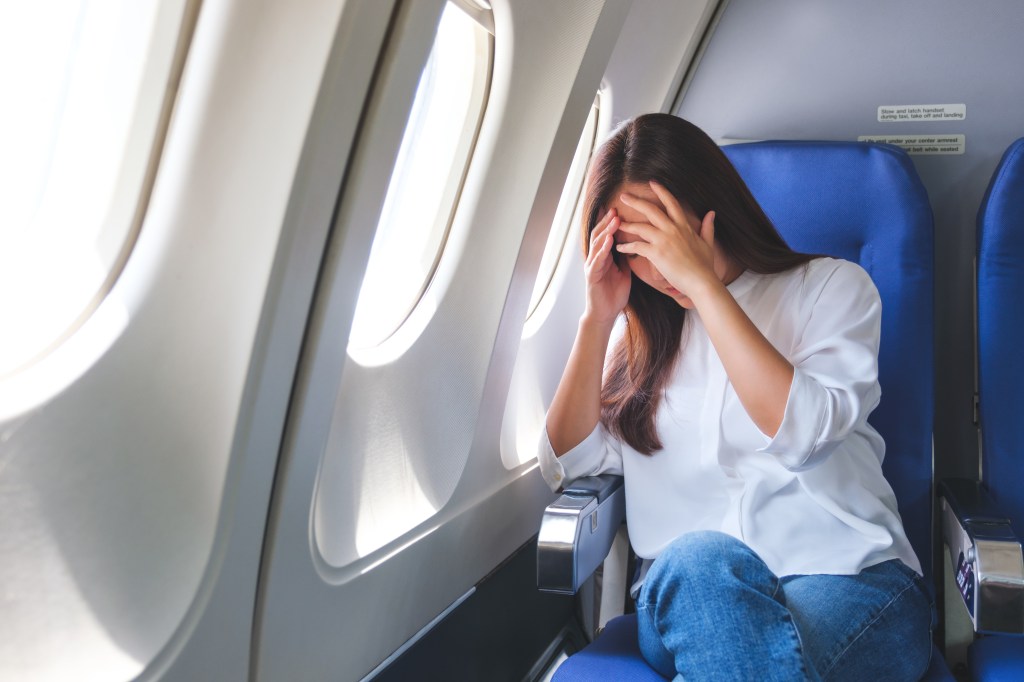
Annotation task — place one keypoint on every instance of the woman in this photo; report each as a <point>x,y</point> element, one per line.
<point>735,404</point>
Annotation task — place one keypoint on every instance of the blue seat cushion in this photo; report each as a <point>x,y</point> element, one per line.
<point>996,659</point>
<point>615,655</point>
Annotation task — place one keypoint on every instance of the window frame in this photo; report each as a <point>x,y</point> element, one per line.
<point>366,351</point>
<point>593,125</point>
<point>149,130</point>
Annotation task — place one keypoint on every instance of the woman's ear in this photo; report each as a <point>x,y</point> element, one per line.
<point>707,228</point>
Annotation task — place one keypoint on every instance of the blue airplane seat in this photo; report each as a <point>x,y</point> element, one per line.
<point>1000,377</point>
<point>864,203</point>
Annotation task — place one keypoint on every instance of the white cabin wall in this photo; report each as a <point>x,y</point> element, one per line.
<point>135,496</point>
<point>653,53</point>
<point>216,642</point>
<point>548,64</point>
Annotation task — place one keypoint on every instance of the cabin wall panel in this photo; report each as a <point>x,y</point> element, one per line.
<point>450,384</point>
<point>123,493</point>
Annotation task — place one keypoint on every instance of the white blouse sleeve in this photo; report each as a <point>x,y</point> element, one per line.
<point>835,382</point>
<point>598,453</point>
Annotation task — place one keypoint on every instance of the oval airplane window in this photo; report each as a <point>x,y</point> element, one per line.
<point>90,81</point>
<point>427,178</point>
<point>567,209</point>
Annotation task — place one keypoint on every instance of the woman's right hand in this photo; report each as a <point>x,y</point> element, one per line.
<point>607,281</point>
<point>576,407</point>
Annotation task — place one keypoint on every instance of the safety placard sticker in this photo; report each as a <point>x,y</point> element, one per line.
<point>922,112</point>
<point>922,144</point>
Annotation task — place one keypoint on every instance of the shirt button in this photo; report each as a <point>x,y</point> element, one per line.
<point>558,478</point>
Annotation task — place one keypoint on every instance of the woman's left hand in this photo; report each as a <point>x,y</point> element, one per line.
<point>681,250</point>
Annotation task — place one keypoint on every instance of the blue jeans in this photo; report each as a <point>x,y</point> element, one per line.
<point>710,609</point>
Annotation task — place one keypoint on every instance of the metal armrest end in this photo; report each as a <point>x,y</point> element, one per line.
<point>986,554</point>
<point>576,532</point>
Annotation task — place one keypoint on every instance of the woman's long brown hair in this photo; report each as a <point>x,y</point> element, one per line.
<point>682,158</point>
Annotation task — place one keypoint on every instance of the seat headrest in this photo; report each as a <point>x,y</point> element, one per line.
<point>842,199</point>
<point>1001,215</point>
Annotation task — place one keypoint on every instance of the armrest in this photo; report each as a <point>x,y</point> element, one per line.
<point>576,532</point>
<point>986,554</point>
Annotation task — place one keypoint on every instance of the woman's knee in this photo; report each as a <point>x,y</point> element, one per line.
<point>708,560</point>
<point>706,548</point>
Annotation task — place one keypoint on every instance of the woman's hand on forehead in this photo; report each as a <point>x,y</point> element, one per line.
<point>681,248</point>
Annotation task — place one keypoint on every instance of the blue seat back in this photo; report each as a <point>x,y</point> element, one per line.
<point>865,203</point>
<point>1001,333</point>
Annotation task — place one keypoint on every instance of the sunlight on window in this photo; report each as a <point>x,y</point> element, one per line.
<point>428,174</point>
<point>566,211</point>
<point>391,501</point>
<point>82,87</point>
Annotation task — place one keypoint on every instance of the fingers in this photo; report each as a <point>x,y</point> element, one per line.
<point>601,242</point>
<point>650,244</point>
<point>672,206</point>
<point>645,231</point>
<point>633,248</point>
<point>655,216</point>
<point>651,241</point>
<point>656,244</point>
<point>669,216</point>
<point>597,234</point>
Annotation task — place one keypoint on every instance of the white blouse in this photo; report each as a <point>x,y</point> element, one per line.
<point>810,500</point>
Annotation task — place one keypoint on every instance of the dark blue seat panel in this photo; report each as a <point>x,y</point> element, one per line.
<point>996,659</point>
<point>615,655</point>
<point>1001,333</point>
<point>1000,372</point>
